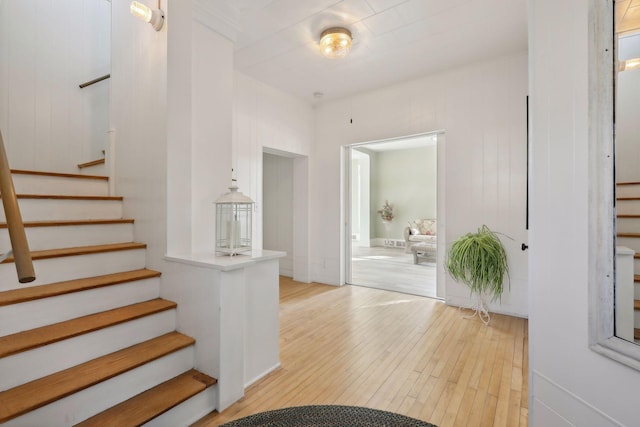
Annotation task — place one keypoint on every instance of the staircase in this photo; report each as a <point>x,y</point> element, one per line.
<point>628,234</point>
<point>90,342</point>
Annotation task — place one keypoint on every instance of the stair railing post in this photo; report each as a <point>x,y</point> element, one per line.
<point>19,244</point>
<point>110,164</point>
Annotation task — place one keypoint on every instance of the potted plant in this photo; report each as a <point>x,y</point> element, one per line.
<point>386,213</point>
<point>479,261</point>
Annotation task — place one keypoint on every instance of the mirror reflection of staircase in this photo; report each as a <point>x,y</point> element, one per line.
<point>90,342</point>
<point>628,235</point>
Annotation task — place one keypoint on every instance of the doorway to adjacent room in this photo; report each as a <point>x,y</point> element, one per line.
<point>393,215</point>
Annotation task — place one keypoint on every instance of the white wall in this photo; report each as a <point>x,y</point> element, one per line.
<point>46,50</point>
<point>171,109</point>
<point>569,384</point>
<point>139,117</point>
<point>408,180</point>
<point>361,197</point>
<point>277,209</point>
<point>481,107</point>
<point>265,118</point>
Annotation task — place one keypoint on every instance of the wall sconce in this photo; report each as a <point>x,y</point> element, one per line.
<point>335,42</point>
<point>629,64</point>
<point>155,17</point>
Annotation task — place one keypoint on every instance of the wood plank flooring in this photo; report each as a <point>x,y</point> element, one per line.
<point>407,354</point>
<point>392,269</point>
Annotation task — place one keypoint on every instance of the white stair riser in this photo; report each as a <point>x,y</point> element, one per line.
<point>636,290</point>
<point>66,209</point>
<point>99,169</point>
<point>189,411</point>
<point>67,186</point>
<point>636,266</point>
<point>33,314</point>
<point>30,365</point>
<point>86,403</point>
<point>628,190</point>
<point>69,236</point>
<point>632,243</point>
<point>636,319</point>
<point>628,225</point>
<point>629,207</point>
<point>76,267</point>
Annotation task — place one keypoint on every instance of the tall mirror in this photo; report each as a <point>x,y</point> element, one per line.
<point>627,168</point>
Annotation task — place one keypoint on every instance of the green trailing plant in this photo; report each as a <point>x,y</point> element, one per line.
<point>479,261</point>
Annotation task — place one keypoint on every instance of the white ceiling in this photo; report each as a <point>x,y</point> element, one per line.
<point>276,41</point>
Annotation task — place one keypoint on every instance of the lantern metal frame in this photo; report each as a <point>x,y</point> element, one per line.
<point>234,216</point>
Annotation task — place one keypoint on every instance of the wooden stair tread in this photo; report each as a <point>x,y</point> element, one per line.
<point>91,163</point>
<point>636,277</point>
<point>627,183</point>
<point>636,334</point>
<point>636,304</point>
<point>628,234</point>
<point>58,174</point>
<point>66,197</point>
<point>31,293</point>
<point>153,402</point>
<point>38,337</point>
<point>62,223</point>
<point>35,394</point>
<point>628,216</point>
<point>627,198</point>
<point>81,250</point>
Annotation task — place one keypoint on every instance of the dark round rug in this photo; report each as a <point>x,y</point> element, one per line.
<point>327,416</point>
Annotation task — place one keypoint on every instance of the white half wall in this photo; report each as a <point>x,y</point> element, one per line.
<point>570,385</point>
<point>481,107</point>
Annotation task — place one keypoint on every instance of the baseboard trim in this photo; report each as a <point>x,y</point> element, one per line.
<point>259,376</point>
<point>463,302</point>
<point>568,406</point>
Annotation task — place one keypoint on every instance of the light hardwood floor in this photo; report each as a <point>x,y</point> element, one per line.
<point>407,354</point>
<point>393,270</point>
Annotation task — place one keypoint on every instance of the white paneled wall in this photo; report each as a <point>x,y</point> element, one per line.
<point>277,208</point>
<point>47,48</point>
<point>139,116</point>
<point>264,117</point>
<point>482,110</point>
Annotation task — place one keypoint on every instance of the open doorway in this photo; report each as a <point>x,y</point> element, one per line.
<point>285,210</point>
<point>393,214</point>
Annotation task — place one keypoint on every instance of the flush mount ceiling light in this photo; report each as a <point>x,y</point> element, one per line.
<point>155,17</point>
<point>335,42</point>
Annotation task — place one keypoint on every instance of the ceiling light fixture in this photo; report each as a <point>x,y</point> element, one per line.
<point>335,42</point>
<point>155,17</point>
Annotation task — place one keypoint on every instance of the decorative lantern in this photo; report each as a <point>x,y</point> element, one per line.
<point>233,222</point>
